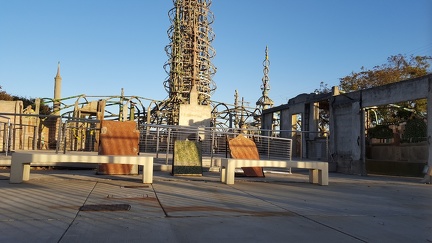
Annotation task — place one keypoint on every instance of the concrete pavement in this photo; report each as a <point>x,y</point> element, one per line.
<point>64,206</point>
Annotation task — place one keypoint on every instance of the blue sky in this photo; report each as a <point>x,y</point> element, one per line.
<point>106,45</point>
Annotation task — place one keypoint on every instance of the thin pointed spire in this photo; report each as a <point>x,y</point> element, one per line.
<point>265,102</point>
<point>266,53</point>
<point>57,90</point>
<point>58,70</point>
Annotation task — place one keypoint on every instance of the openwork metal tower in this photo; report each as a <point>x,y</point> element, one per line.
<point>189,65</point>
<point>264,102</point>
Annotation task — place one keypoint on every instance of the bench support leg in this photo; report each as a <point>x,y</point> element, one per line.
<point>26,172</point>
<point>148,172</point>
<point>313,176</point>
<point>19,173</point>
<point>323,177</point>
<point>222,174</point>
<point>229,173</point>
<point>318,177</point>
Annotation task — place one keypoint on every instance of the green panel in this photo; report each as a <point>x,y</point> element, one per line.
<point>187,158</point>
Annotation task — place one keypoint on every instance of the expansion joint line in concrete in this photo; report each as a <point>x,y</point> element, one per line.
<point>78,211</point>
<point>160,204</point>
<point>300,215</point>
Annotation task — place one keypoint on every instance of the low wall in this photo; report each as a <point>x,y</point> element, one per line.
<point>399,160</point>
<point>409,152</point>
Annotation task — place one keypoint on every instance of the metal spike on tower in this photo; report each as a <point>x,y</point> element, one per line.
<point>264,102</point>
<point>189,66</point>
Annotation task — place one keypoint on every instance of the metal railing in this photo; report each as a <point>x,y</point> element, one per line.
<point>64,134</point>
<point>159,139</point>
<point>5,129</point>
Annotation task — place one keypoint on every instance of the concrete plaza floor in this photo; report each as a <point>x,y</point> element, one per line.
<point>80,206</point>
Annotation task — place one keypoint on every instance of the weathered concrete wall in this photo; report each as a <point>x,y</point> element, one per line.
<point>12,107</point>
<point>347,118</point>
<point>411,152</point>
<point>26,131</point>
<point>412,89</point>
<point>348,145</point>
<point>267,121</point>
<point>341,137</point>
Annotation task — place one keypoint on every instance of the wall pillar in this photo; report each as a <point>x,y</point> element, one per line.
<point>427,178</point>
<point>356,135</point>
<point>266,124</point>
<point>285,123</point>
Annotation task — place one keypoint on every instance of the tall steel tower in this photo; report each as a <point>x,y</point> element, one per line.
<point>189,65</point>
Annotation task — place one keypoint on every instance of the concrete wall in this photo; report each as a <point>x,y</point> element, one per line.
<point>347,118</point>
<point>410,152</point>
<point>26,131</point>
<point>10,107</point>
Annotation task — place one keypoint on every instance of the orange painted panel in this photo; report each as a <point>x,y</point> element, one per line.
<point>118,138</point>
<point>244,148</point>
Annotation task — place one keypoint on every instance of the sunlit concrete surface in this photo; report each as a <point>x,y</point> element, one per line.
<point>277,208</point>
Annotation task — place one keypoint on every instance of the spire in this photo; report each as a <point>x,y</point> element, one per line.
<point>265,102</point>
<point>57,90</point>
<point>58,70</point>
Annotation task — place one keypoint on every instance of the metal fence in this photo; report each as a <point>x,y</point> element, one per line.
<point>214,141</point>
<point>31,132</point>
<point>5,129</point>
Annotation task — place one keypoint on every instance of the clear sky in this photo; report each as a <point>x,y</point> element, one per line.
<point>106,45</point>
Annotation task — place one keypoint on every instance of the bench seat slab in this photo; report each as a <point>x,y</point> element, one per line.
<point>20,163</point>
<point>318,170</point>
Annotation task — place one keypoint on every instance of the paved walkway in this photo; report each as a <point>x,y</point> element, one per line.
<point>64,206</point>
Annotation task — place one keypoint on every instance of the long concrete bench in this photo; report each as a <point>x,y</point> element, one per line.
<point>21,162</point>
<point>318,171</point>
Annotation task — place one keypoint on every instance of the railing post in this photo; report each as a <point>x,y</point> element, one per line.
<point>301,144</point>
<point>157,141</point>
<point>168,145</point>
<point>327,148</point>
<point>7,130</point>
<point>212,146</point>
<point>59,136</point>
<point>34,144</point>
<point>268,147</point>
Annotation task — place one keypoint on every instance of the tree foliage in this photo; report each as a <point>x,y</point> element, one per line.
<point>380,132</point>
<point>4,95</point>
<point>323,89</point>
<point>43,109</point>
<point>398,68</point>
<point>415,130</point>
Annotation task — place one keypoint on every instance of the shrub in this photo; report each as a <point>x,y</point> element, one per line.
<point>415,131</point>
<point>380,132</point>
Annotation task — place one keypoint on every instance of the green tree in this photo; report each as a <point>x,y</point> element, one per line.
<point>43,110</point>
<point>398,68</point>
<point>4,95</point>
<point>323,89</point>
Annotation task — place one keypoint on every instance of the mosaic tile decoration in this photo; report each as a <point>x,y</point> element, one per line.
<point>187,158</point>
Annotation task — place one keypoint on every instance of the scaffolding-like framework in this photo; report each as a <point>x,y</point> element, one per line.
<point>189,69</point>
<point>189,65</point>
